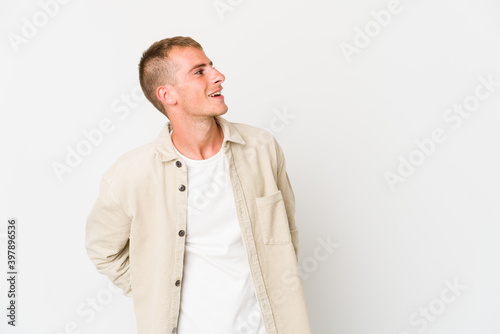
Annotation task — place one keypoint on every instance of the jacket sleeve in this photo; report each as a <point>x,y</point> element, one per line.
<point>285,187</point>
<point>107,235</point>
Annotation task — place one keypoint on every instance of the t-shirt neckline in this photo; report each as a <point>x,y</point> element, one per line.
<point>201,163</point>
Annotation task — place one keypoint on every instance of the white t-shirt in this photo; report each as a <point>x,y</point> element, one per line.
<point>218,294</point>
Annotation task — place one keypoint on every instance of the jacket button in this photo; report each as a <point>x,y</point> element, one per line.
<point>181,233</point>
<point>178,163</point>
<point>182,187</point>
<point>177,283</point>
<point>174,330</point>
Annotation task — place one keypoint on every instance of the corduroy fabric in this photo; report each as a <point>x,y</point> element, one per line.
<point>132,232</point>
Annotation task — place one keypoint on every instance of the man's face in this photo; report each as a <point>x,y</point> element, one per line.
<point>197,81</point>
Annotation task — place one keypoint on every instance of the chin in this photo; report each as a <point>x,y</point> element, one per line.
<point>222,111</point>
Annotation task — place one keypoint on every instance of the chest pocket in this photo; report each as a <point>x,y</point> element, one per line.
<point>273,220</point>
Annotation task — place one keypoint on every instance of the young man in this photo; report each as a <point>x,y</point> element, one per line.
<point>198,226</point>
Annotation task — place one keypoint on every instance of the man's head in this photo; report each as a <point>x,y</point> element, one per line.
<point>175,74</point>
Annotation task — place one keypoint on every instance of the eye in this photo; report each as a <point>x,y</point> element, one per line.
<point>199,72</point>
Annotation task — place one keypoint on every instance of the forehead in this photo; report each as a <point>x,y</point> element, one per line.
<point>187,57</point>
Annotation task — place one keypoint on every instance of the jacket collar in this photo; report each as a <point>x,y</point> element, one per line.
<point>165,148</point>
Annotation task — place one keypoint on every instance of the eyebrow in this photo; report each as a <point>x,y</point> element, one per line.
<point>199,66</point>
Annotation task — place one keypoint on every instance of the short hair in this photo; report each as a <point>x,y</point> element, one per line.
<point>156,70</point>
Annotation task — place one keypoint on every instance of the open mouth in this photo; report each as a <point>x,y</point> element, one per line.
<point>215,94</point>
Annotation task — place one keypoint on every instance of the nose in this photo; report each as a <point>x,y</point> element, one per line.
<point>217,77</point>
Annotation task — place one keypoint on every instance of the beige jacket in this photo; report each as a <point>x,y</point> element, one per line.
<point>135,233</point>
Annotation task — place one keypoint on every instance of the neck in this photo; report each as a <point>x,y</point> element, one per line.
<point>197,139</point>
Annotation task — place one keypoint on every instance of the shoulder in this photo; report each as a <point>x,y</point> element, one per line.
<point>254,135</point>
<point>259,142</point>
<point>131,164</point>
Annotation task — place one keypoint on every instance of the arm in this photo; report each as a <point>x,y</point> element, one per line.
<point>107,238</point>
<point>288,196</point>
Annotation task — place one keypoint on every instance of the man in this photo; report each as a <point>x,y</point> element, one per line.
<point>198,226</point>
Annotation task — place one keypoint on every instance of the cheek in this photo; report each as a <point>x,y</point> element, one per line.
<point>191,93</point>
<point>183,94</point>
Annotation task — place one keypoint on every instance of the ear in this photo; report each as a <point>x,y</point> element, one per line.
<point>166,94</point>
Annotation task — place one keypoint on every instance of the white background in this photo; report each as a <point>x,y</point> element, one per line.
<point>351,120</point>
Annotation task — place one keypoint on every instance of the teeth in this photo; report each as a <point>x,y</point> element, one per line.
<point>215,94</point>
